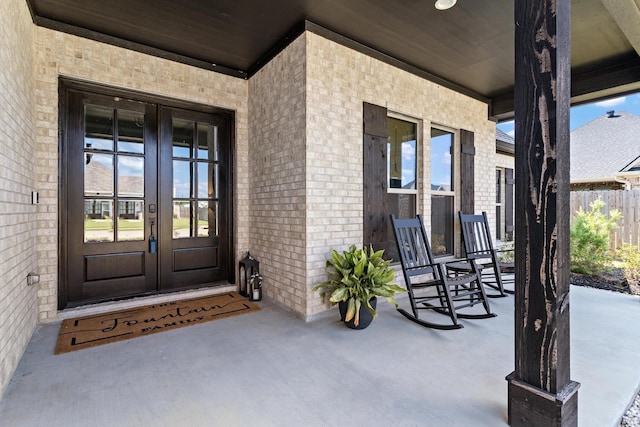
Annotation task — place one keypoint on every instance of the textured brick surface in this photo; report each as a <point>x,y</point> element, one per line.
<point>18,157</point>
<point>339,80</point>
<point>306,156</point>
<point>298,171</point>
<point>278,222</point>
<point>58,54</point>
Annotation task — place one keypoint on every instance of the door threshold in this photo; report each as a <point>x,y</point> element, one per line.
<point>104,307</point>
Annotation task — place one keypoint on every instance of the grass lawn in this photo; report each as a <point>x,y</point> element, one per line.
<point>101,224</point>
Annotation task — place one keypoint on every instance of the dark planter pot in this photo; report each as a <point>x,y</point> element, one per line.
<point>365,317</point>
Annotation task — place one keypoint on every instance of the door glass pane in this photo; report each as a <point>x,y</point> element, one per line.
<point>130,132</point>
<point>442,225</point>
<point>207,142</point>
<point>98,220</point>
<point>207,218</point>
<point>130,176</point>
<point>498,186</point>
<point>401,154</point>
<point>205,184</point>
<point>182,138</point>
<point>181,219</point>
<point>130,220</point>
<point>181,179</point>
<point>98,174</point>
<point>98,128</point>
<point>441,164</point>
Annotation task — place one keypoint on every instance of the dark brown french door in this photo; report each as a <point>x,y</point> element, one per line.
<point>145,198</point>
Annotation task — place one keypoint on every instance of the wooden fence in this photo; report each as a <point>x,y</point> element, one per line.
<point>627,202</point>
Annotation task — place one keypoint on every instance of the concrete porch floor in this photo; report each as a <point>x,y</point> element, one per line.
<point>269,368</point>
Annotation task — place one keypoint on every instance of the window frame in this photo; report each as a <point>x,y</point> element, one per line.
<point>415,191</point>
<point>500,203</point>
<point>455,183</point>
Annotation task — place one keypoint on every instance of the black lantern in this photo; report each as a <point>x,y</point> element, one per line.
<point>255,287</point>
<point>247,267</point>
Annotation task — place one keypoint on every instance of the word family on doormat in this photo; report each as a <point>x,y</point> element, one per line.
<point>98,329</point>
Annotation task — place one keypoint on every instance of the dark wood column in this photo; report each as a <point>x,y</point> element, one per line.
<point>541,392</point>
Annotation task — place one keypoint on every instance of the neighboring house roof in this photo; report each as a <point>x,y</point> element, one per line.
<point>605,146</point>
<point>504,137</point>
<point>98,181</point>
<point>505,144</point>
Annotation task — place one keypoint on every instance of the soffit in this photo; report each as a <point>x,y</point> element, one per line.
<point>471,45</point>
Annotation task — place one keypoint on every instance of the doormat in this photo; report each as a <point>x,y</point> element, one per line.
<point>98,329</point>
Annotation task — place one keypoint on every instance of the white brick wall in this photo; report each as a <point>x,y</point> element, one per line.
<point>278,223</point>
<point>18,157</point>
<point>58,54</point>
<point>300,117</point>
<point>338,81</point>
<point>306,156</point>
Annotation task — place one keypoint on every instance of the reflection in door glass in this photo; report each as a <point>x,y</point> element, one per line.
<point>205,183</point>
<point>195,179</point>
<point>98,174</point>
<point>98,220</point>
<point>182,138</point>
<point>98,128</point>
<point>130,176</point>
<point>181,219</point>
<point>130,220</point>
<point>207,224</point>
<point>130,132</point>
<point>207,142</point>
<point>181,179</point>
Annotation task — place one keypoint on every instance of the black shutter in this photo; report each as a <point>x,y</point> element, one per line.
<point>467,153</point>
<point>376,135</point>
<point>508,204</point>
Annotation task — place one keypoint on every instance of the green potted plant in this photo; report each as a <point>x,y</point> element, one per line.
<point>356,278</point>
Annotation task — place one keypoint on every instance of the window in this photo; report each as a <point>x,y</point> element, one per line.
<point>402,190</point>
<point>499,209</point>
<point>442,192</point>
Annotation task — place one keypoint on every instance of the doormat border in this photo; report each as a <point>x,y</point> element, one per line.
<point>97,329</point>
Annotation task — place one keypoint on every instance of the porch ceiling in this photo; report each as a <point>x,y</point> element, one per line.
<point>469,48</point>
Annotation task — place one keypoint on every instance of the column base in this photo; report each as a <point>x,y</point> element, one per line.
<point>530,406</point>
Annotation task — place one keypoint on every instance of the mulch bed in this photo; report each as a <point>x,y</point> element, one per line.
<point>612,280</point>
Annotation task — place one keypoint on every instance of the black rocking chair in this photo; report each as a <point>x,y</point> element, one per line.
<point>439,289</point>
<point>478,246</point>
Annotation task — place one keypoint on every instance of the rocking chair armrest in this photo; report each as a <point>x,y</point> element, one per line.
<point>461,264</point>
<point>504,250</point>
<point>483,253</point>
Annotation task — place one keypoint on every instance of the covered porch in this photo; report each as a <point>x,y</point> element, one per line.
<point>269,369</point>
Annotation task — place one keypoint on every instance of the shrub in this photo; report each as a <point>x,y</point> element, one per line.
<point>630,257</point>
<point>590,238</point>
<point>506,252</point>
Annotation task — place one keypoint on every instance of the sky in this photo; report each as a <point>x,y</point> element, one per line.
<point>585,113</point>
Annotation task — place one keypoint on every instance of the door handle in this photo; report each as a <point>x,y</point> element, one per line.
<point>153,243</point>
